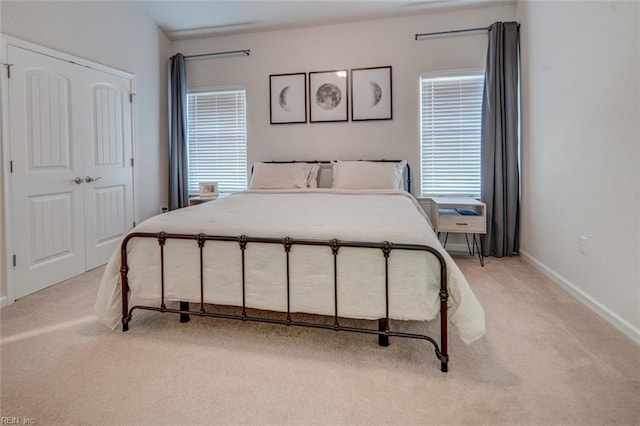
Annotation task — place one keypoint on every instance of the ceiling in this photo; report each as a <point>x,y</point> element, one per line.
<point>181,19</point>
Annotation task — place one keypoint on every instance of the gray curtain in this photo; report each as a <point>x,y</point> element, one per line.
<point>501,141</point>
<point>178,173</point>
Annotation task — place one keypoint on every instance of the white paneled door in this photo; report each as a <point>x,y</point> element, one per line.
<point>70,149</point>
<point>108,179</point>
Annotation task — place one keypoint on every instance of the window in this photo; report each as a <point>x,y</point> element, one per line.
<point>451,106</point>
<point>217,139</point>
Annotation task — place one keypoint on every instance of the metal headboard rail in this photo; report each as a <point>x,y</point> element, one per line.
<point>288,243</point>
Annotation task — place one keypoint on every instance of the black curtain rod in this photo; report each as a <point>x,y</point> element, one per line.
<point>442,33</point>
<point>245,52</point>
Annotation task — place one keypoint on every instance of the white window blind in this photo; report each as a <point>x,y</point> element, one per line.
<point>217,139</point>
<point>451,106</point>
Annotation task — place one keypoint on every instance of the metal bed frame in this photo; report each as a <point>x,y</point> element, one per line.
<point>383,331</point>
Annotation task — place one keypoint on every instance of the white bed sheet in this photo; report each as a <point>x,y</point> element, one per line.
<point>323,214</point>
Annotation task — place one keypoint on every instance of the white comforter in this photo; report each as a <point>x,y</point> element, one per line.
<point>323,214</point>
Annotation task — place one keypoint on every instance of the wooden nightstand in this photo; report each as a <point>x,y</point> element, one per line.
<point>464,215</point>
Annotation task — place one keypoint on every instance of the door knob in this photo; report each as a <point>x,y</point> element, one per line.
<point>89,179</point>
<point>78,180</point>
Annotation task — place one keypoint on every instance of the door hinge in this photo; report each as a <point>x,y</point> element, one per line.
<point>15,261</point>
<point>10,166</point>
<point>8,69</point>
<point>134,224</point>
<point>132,162</point>
<point>131,95</point>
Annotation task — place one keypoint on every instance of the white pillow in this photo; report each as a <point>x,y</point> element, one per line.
<point>312,181</point>
<point>368,175</point>
<point>280,175</point>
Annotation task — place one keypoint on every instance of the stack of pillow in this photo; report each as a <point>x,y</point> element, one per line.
<point>346,175</point>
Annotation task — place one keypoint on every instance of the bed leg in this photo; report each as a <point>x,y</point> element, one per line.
<point>383,324</point>
<point>184,306</point>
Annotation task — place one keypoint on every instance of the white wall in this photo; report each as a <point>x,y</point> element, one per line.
<point>345,46</point>
<point>581,150</point>
<point>119,35</point>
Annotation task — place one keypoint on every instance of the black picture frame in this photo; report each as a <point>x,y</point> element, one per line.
<point>328,96</point>
<point>371,94</point>
<point>288,98</point>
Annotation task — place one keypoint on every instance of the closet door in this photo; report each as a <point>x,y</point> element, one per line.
<point>108,188</point>
<point>71,182</point>
<point>47,169</point>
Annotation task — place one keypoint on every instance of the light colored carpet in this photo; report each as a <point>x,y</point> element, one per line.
<point>546,359</point>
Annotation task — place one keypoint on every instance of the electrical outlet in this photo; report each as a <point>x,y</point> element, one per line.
<point>584,247</point>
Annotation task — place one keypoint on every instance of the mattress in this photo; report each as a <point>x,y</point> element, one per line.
<point>317,214</point>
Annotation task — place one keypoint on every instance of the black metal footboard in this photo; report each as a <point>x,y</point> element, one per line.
<point>287,243</point>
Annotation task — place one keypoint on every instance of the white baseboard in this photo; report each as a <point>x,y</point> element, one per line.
<point>607,314</point>
<point>4,301</point>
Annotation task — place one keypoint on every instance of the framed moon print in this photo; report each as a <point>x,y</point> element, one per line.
<point>371,94</point>
<point>288,98</point>
<point>328,96</point>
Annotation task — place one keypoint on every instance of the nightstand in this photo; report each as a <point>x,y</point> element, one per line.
<point>464,215</point>
<point>199,200</point>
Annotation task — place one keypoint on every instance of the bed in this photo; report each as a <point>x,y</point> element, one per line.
<point>361,249</point>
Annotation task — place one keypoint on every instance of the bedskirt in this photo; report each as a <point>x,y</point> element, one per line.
<point>320,214</point>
